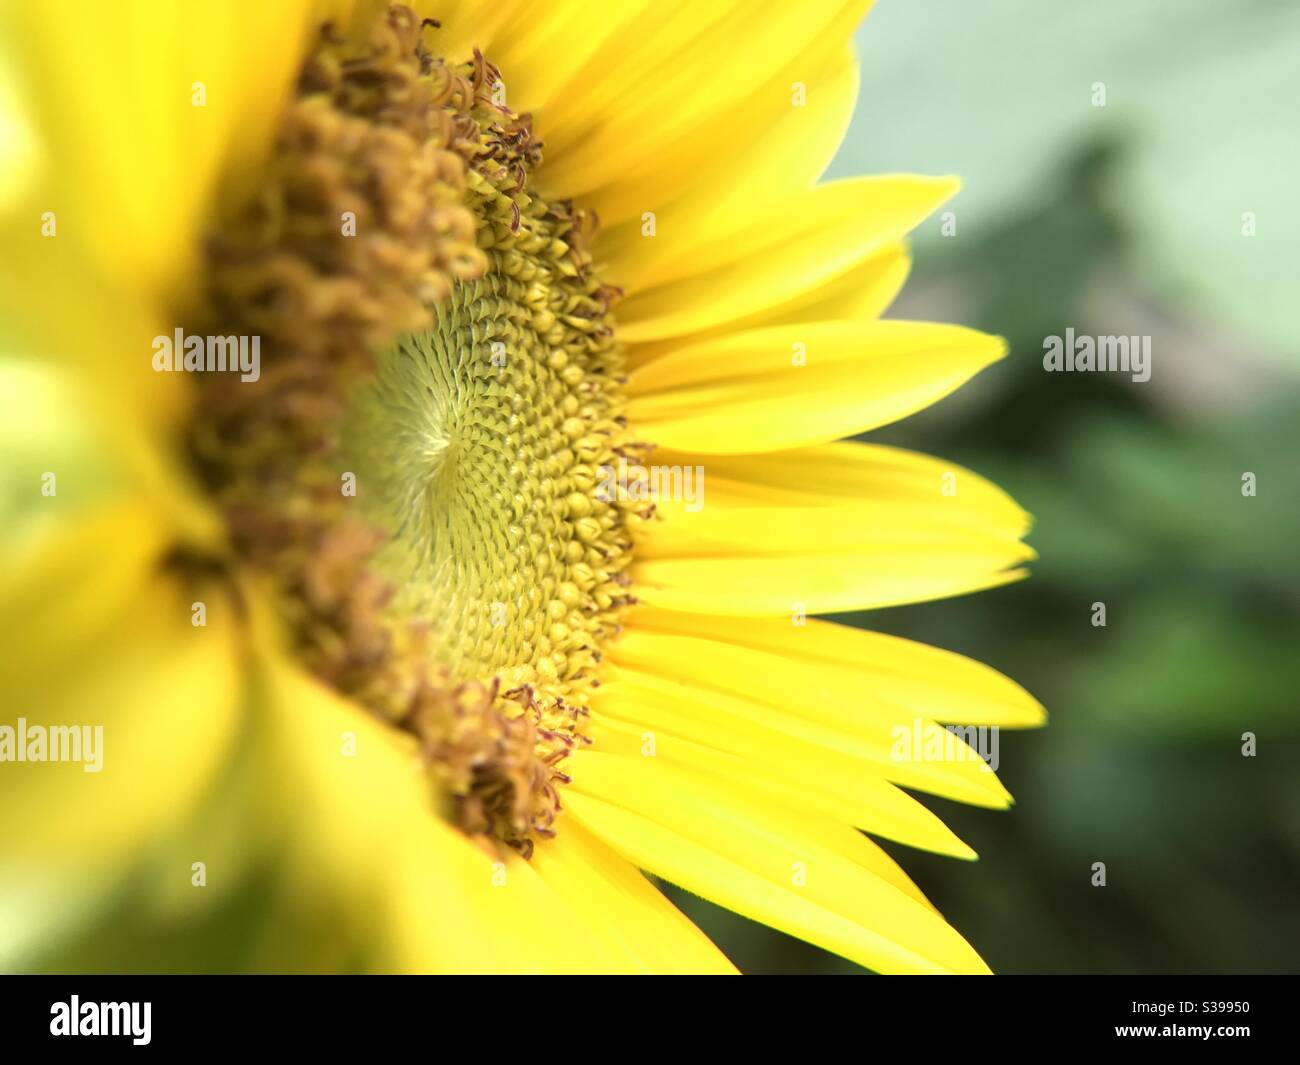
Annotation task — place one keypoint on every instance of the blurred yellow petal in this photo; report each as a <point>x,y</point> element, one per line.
<point>352,804</point>
<point>155,99</point>
<point>359,838</point>
<point>69,445</point>
<point>616,899</point>
<point>98,637</point>
<point>464,25</point>
<point>762,860</point>
<point>43,431</point>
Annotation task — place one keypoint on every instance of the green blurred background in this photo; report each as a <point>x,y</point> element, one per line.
<point>1115,220</point>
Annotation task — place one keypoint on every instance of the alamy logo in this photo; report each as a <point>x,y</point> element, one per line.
<point>630,482</point>
<point>1071,354</point>
<point>199,354</point>
<point>102,1018</point>
<point>924,741</point>
<point>53,743</point>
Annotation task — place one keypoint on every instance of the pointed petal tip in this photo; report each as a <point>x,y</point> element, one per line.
<point>999,346</point>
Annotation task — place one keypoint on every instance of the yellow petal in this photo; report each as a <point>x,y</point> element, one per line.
<point>97,636</point>
<point>791,385</point>
<point>626,739</point>
<point>667,72</point>
<point>360,845</point>
<point>18,145</point>
<point>356,818</point>
<point>464,25</point>
<point>532,35</point>
<point>70,444</point>
<point>759,859</point>
<point>771,255</point>
<point>777,141</point>
<point>924,680</point>
<point>112,91</point>
<point>863,555</point>
<point>720,528</point>
<point>818,583</point>
<point>838,474</point>
<point>798,761</point>
<point>860,294</point>
<point>136,111</point>
<point>612,896</point>
<point>819,703</point>
<point>42,432</point>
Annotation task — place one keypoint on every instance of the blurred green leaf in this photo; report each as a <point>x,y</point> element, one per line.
<point>1201,94</point>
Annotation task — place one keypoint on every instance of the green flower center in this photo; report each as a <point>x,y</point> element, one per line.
<point>477,447</point>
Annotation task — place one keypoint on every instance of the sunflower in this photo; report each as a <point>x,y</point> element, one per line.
<point>424,462</point>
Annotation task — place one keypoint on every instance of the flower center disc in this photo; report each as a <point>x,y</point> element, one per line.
<point>477,448</point>
<point>419,468</point>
